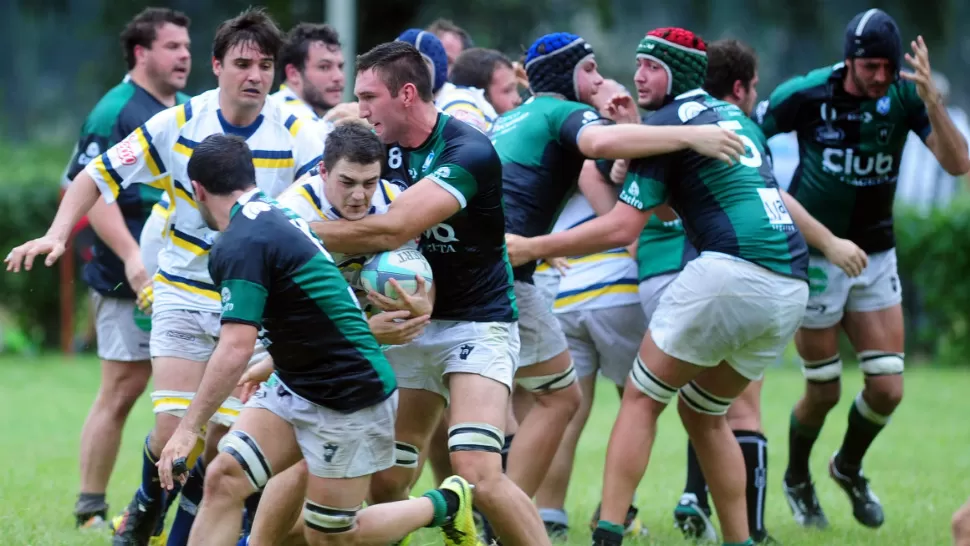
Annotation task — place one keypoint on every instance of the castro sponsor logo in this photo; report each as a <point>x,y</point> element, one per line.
<point>854,163</point>
<point>126,150</point>
<point>631,195</point>
<point>227,300</point>
<point>439,239</point>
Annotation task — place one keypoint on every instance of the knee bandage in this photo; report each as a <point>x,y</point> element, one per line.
<point>881,363</point>
<point>704,402</point>
<point>822,371</point>
<point>648,384</point>
<point>250,457</point>
<point>545,384</point>
<point>405,455</point>
<point>329,520</point>
<point>475,437</point>
<point>177,402</point>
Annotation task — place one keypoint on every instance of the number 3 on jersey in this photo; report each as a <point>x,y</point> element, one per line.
<point>754,159</point>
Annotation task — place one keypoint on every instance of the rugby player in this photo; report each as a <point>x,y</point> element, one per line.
<point>597,305</point>
<point>454,38</point>
<point>312,70</point>
<point>185,318</point>
<point>465,104</point>
<point>156,50</point>
<point>491,72</point>
<point>543,144</point>
<point>852,120</point>
<point>333,396</point>
<point>468,352</point>
<point>690,347</point>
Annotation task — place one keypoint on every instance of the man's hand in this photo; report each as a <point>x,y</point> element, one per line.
<point>922,74</point>
<point>182,443</point>
<point>145,298</point>
<point>713,141</point>
<point>521,77</point>
<point>618,171</point>
<point>519,249</point>
<point>135,272</point>
<point>559,264</point>
<point>23,255</point>
<point>622,109</point>
<point>253,376</point>
<point>391,328</point>
<point>846,255</point>
<point>418,303</point>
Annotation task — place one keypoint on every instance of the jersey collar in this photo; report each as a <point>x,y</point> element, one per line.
<point>692,93</point>
<point>243,199</point>
<point>439,122</point>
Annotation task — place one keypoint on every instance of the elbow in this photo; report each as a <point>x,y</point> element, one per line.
<point>624,235</point>
<point>960,166</point>
<point>594,143</point>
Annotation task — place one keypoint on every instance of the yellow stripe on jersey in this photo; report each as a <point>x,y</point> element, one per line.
<point>146,151</point>
<point>183,114</point>
<point>293,124</point>
<point>109,175</point>
<point>183,193</point>
<point>595,293</point>
<point>206,293</point>
<point>186,242</point>
<point>592,258</point>
<point>282,163</point>
<point>390,190</point>
<point>304,191</point>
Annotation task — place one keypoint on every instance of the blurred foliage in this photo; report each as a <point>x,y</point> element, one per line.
<point>931,249</point>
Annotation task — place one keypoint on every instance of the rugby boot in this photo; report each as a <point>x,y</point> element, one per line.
<point>92,521</point>
<point>804,504</point>
<point>558,532</point>
<point>632,526</point>
<point>865,504</point>
<point>137,525</point>
<point>460,530</point>
<point>694,520</point>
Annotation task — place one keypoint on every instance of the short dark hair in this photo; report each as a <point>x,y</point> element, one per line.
<point>352,142</point>
<point>143,29</point>
<point>728,61</point>
<point>222,164</point>
<point>475,66</point>
<point>398,63</point>
<point>251,26</point>
<point>296,46</point>
<point>439,26</point>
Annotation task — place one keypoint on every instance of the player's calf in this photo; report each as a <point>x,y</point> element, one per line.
<point>960,525</point>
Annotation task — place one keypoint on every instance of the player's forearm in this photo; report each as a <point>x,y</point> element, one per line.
<point>600,193</point>
<point>628,141</point>
<point>80,196</point>
<point>375,233</point>
<point>222,374</point>
<point>598,235</point>
<point>949,146</point>
<point>110,227</point>
<point>815,233</point>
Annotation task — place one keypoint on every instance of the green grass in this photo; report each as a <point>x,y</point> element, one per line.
<point>920,466</point>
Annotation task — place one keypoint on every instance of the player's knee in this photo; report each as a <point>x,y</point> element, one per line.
<point>391,485</point>
<point>565,402</point>
<point>884,398</point>
<point>225,481</point>
<point>697,406</point>
<point>554,383</point>
<point>242,458</point>
<point>822,397</point>
<point>476,451</point>
<point>120,393</point>
<point>329,526</point>
<point>649,384</point>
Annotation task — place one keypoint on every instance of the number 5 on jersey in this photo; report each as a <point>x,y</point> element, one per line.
<point>753,160</point>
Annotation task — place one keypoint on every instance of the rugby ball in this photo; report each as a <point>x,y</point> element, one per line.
<point>401,265</point>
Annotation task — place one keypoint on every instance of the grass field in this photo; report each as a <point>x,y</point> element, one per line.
<point>920,466</point>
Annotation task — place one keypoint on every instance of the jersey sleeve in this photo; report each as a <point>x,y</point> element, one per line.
<point>239,269</point>
<point>463,164</point>
<point>570,119</point>
<point>140,158</point>
<point>467,111</point>
<point>644,186</point>
<point>777,114</point>
<point>917,119</point>
<point>302,199</point>
<point>307,144</point>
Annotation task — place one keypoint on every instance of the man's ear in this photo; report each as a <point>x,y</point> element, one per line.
<point>738,89</point>
<point>198,191</point>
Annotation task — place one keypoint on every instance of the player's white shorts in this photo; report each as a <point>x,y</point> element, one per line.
<point>833,292</point>
<point>542,337</point>
<point>189,335</point>
<point>334,444</point>
<point>489,349</point>
<point>605,339</point>
<point>548,286</point>
<point>723,308</point>
<point>120,337</point>
<point>651,290</point>
<point>151,242</point>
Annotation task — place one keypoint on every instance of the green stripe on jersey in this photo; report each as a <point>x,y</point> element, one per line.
<point>243,301</point>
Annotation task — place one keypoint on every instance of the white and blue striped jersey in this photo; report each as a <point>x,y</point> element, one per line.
<point>157,154</point>
<point>598,281</point>
<point>292,104</point>
<point>466,104</point>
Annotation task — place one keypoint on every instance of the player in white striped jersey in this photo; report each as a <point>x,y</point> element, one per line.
<point>186,310</point>
<point>312,69</point>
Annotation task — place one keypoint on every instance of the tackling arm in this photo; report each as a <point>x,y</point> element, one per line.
<point>945,140</point>
<point>596,189</point>
<point>632,141</point>
<point>419,208</point>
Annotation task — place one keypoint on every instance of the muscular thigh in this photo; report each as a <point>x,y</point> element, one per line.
<point>262,443</point>
<point>880,330</point>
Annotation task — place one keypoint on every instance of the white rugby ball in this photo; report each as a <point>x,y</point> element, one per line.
<point>401,265</point>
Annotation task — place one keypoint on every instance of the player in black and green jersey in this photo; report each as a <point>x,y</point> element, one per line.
<point>333,396</point>
<point>468,352</point>
<point>852,120</point>
<point>543,145</point>
<point>740,301</point>
<point>156,49</point>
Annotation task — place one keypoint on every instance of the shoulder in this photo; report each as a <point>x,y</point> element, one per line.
<point>463,143</point>
<point>105,113</point>
<point>676,113</point>
<point>805,85</point>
